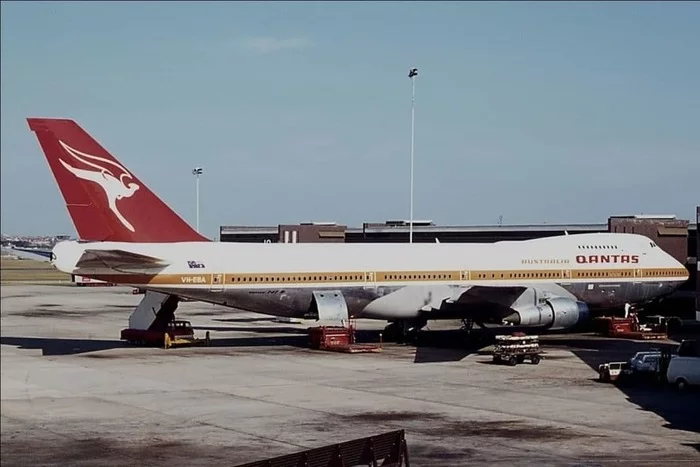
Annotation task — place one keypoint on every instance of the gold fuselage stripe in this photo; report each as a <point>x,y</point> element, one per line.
<point>388,277</point>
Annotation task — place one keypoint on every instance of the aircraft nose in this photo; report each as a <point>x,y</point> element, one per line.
<point>677,264</point>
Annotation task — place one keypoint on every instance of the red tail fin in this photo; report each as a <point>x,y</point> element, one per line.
<point>105,201</point>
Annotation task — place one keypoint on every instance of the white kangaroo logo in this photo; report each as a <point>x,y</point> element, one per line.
<point>114,187</point>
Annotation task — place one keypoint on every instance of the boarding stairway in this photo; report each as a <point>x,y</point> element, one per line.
<point>154,312</point>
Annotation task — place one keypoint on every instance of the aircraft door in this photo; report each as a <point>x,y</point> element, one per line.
<point>217,283</point>
<point>370,280</point>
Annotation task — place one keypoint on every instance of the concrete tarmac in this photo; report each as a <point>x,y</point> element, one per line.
<point>73,394</point>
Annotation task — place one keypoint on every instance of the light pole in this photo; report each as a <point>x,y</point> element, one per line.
<point>197,171</point>
<point>412,73</point>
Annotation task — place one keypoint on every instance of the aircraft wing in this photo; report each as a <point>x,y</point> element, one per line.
<point>491,303</point>
<point>118,260</point>
<point>500,295</point>
<point>483,303</point>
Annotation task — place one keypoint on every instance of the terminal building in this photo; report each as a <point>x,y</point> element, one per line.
<point>676,236</point>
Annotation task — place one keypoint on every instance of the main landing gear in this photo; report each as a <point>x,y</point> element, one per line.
<point>404,331</point>
<point>468,327</point>
<point>475,337</point>
<point>408,331</point>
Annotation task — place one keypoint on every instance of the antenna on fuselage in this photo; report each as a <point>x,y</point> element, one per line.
<point>566,232</point>
<point>437,240</point>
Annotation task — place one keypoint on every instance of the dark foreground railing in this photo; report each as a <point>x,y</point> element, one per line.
<point>386,450</point>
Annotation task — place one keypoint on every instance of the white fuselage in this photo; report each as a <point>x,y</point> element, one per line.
<point>394,281</point>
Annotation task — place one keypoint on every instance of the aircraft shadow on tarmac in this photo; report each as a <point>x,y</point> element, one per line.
<point>194,316</point>
<point>680,410</point>
<point>256,329</point>
<point>58,347</point>
<point>433,346</point>
<point>245,320</point>
<point>55,346</point>
<point>446,346</point>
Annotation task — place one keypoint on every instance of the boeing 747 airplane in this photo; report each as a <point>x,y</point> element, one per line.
<point>129,236</point>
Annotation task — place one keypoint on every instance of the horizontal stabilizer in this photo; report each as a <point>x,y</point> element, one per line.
<point>116,259</point>
<point>30,253</point>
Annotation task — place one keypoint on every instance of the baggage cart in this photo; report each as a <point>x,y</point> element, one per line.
<point>516,348</point>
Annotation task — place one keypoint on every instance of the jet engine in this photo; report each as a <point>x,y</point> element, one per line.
<point>555,313</point>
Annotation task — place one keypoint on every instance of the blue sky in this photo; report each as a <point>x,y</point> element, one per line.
<point>539,112</point>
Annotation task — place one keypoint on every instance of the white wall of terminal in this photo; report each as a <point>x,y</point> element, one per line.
<point>294,236</point>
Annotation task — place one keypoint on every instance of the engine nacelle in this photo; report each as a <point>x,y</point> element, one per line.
<point>556,314</point>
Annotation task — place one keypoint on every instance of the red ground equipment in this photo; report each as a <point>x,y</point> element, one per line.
<point>339,339</point>
<point>629,328</point>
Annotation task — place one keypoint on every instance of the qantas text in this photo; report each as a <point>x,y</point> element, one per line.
<point>592,259</point>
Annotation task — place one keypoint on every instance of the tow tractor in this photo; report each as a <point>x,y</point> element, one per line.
<point>177,332</point>
<point>515,348</point>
